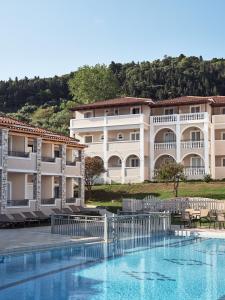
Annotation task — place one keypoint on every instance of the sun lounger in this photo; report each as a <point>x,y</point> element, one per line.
<point>41,216</point>
<point>30,217</point>
<point>6,221</point>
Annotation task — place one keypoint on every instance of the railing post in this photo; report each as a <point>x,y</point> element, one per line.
<point>105,229</point>
<point>52,224</point>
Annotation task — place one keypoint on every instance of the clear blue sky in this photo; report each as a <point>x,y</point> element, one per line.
<point>48,37</point>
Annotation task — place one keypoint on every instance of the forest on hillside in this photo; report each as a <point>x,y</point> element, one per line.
<point>47,101</point>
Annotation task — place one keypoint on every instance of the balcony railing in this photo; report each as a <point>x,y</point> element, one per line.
<point>165,146</point>
<point>193,171</point>
<point>18,153</point>
<point>179,118</point>
<point>49,201</point>
<point>71,200</point>
<point>192,144</point>
<point>48,159</point>
<point>74,162</point>
<point>24,202</point>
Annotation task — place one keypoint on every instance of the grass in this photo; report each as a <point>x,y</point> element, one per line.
<point>111,195</point>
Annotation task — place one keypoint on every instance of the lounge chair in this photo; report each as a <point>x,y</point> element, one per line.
<point>41,216</point>
<point>6,221</point>
<point>204,216</point>
<point>220,219</point>
<point>19,218</point>
<point>67,210</point>
<point>186,218</point>
<point>212,219</point>
<point>57,211</point>
<point>30,217</point>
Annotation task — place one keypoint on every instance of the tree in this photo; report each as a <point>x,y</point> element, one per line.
<point>94,167</point>
<point>90,84</point>
<point>171,172</point>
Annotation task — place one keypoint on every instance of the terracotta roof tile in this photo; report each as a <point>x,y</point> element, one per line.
<point>123,101</point>
<point>22,127</point>
<point>183,100</point>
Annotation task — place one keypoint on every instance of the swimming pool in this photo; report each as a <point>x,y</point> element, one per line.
<point>165,267</point>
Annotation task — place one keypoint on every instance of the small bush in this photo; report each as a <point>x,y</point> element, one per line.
<point>207,178</point>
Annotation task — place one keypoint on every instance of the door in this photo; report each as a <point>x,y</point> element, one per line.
<point>195,136</point>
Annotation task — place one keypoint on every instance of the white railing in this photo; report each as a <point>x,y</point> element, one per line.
<point>165,146</point>
<point>179,118</point>
<point>111,227</point>
<point>108,121</point>
<point>177,205</point>
<point>192,144</point>
<point>190,171</point>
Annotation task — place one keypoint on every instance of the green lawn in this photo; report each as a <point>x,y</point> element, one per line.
<point>111,195</point>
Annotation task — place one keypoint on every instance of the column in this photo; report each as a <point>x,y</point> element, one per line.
<point>123,171</point>
<point>105,151</point>
<point>178,138</point>
<point>37,175</point>
<point>82,178</point>
<point>206,144</point>
<point>142,152</point>
<point>151,149</point>
<point>3,172</point>
<point>213,163</point>
<point>62,178</point>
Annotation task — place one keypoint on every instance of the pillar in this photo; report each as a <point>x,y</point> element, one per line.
<point>37,175</point>
<point>62,178</point>
<point>4,172</point>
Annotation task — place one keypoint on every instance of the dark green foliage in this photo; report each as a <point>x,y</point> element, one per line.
<point>45,101</point>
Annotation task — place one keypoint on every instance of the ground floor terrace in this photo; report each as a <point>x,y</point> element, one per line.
<point>26,192</point>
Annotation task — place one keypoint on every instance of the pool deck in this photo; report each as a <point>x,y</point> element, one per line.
<point>200,232</point>
<point>33,238</point>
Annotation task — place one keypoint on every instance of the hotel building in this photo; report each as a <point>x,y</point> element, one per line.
<point>39,169</point>
<point>134,136</point>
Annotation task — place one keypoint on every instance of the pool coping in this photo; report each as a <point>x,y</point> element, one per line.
<point>72,242</point>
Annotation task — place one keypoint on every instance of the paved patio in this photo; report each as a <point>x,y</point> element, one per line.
<point>23,239</point>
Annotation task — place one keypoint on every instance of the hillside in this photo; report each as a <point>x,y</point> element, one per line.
<point>46,101</point>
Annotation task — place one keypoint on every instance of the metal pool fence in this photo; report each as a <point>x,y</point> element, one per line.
<point>111,227</point>
<point>176,205</point>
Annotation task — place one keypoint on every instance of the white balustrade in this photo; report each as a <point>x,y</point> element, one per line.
<point>192,144</point>
<point>179,118</point>
<point>191,171</point>
<point>165,146</point>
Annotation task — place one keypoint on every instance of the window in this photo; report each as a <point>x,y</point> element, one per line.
<point>116,111</point>
<point>56,191</point>
<point>135,136</point>
<point>195,136</point>
<point>106,112</point>
<point>222,135</point>
<point>223,162</point>
<point>88,114</point>
<point>196,162</point>
<point>223,110</point>
<point>135,110</point>
<point>56,153</point>
<point>101,137</point>
<point>120,136</point>
<point>119,162</point>
<point>88,139</point>
<point>134,162</point>
<point>195,109</point>
<point>169,111</point>
<point>169,137</point>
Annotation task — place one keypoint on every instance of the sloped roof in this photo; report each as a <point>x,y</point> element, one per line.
<point>123,101</point>
<point>184,100</point>
<point>21,127</point>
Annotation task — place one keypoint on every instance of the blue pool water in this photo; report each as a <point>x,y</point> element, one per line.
<point>158,268</point>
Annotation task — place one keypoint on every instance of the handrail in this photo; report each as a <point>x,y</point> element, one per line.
<point>18,153</point>
<point>47,159</point>
<point>23,202</point>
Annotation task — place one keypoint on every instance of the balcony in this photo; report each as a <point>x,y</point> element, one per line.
<point>192,144</point>
<point>165,146</point>
<point>48,159</point>
<point>194,172</point>
<point>181,118</point>
<point>118,120</point>
<point>49,201</point>
<point>18,154</point>
<point>19,203</point>
<point>51,166</point>
<point>22,161</point>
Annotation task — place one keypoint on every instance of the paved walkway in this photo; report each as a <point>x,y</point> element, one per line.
<point>201,232</point>
<point>22,239</point>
